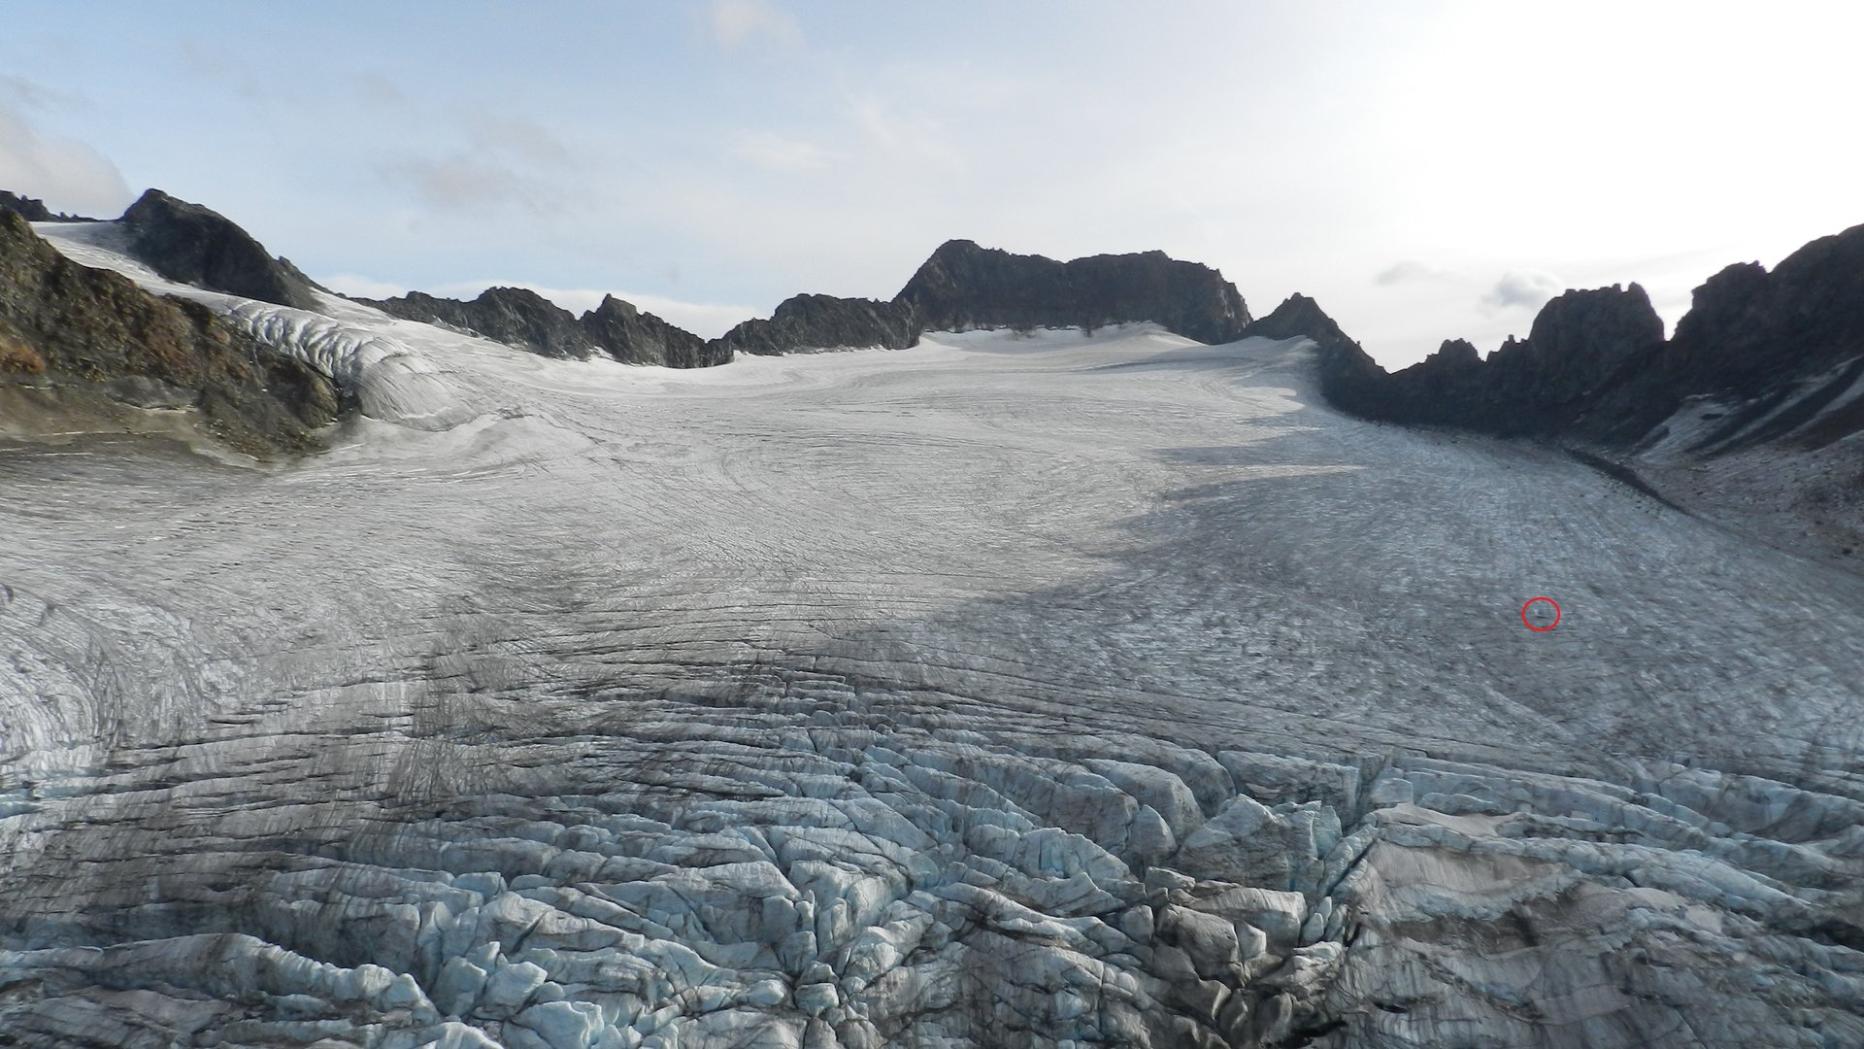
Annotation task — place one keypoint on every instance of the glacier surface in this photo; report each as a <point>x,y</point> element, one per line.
<point>1005,691</point>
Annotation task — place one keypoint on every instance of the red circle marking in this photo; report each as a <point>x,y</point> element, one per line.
<point>1529,603</point>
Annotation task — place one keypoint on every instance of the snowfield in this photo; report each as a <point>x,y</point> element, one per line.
<point>1006,691</point>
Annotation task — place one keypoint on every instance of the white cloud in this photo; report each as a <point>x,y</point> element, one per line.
<point>68,174</point>
<point>706,319</point>
<point>907,137</point>
<point>1523,289</point>
<point>778,153</point>
<point>377,89</point>
<point>516,136</point>
<point>1408,271</point>
<point>462,182</point>
<point>737,22</point>
<point>502,160</point>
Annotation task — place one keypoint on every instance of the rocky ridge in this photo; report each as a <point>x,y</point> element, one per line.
<point>964,286</point>
<point>1596,368</point>
<point>518,317</point>
<point>1538,385</point>
<point>632,336</point>
<point>523,319</point>
<point>33,209</point>
<point>196,245</point>
<point>960,287</point>
<point>1750,412</point>
<point>90,342</point>
<point>805,322</point>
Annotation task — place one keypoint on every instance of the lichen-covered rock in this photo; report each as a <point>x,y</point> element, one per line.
<point>81,340</point>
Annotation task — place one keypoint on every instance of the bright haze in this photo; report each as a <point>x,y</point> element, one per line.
<point>1424,170</point>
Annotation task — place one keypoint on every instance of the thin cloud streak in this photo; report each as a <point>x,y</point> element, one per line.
<point>1528,289</point>
<point>735,23</point>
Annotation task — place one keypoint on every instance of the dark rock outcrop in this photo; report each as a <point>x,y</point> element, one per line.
<point>1540,385</point>
<point>1579,343</point>
<point>521,318</point>
<point>83,337</point>
<point>633,337</point>
<point>964,286</point>
<point>195,245</point>
<point>1349,377</point>
<point>823,322</point>
<point>514,316</point>
<point>33,209</point>
<point>1757,339</point>
<point>28,208</point>
<point>1781,350</point>
<point>961,286</point>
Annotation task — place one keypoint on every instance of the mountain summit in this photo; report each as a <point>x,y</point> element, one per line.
<point>964,286</point>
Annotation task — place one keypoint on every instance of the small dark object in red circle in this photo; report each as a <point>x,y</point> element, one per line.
<point>1529,603</point>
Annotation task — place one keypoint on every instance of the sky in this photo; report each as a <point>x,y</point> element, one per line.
<point>1426,170</point>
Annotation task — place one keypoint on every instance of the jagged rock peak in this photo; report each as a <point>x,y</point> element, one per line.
<point>88,344</point>
<point>1761,342</point>
<point>963,285</point>
<point>632,336</point>
<point>1581,335</point>
<point>1744,320</point>
<point>1297,316</point>
<point>29,208</point>
<point>196,245</point>
<point>1349,378</point>
<point>523,319</point>
<point>824,322</point>
<point>1455,353</point>
<point>518,317</point>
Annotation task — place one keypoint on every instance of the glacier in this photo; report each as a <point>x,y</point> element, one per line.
<point>1008,690</point>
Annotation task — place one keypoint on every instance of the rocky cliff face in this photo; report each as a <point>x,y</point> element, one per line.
<point>1578,344</point>
<point>1780,350</point>
<point>633,337</point>
<point>820,322</point>
<point>1780,354</point>
<point>965,286</point>
<point>195,245</point>
<point>88,339</point>
<point>515,316</point>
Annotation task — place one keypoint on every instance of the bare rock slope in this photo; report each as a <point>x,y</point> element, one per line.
<point>75,340</point>
<point>196,245</point>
